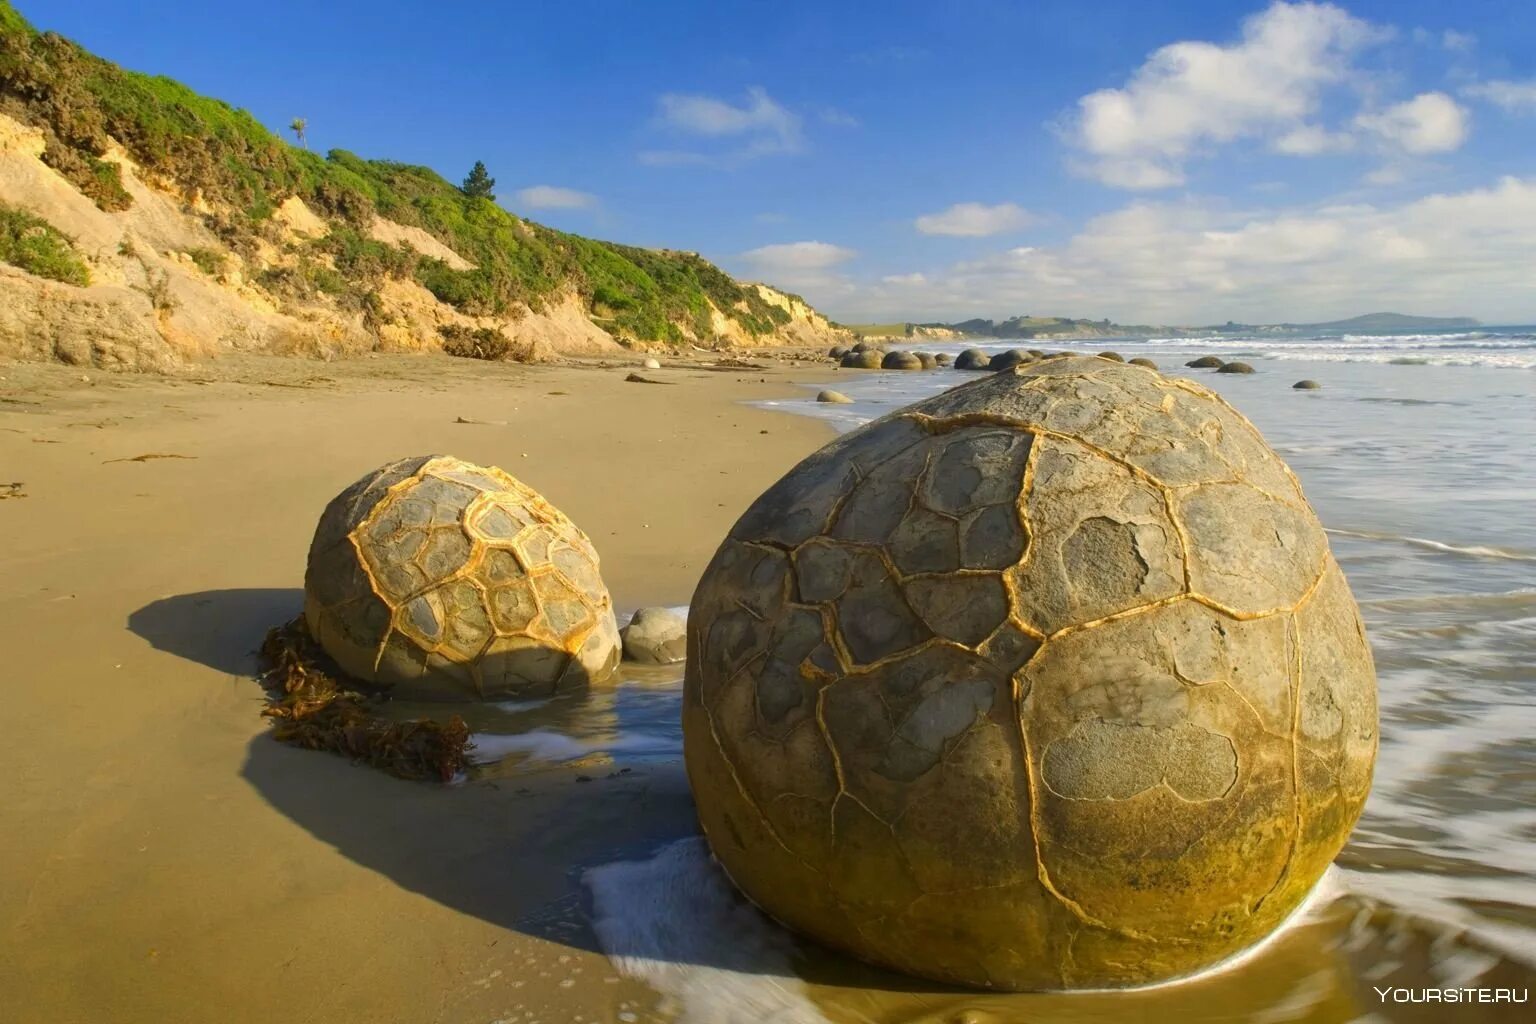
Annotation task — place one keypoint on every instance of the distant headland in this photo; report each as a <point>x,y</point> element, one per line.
<point>1060,327</point>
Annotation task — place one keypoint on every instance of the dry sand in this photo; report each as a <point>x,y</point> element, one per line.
<point>165,861</point>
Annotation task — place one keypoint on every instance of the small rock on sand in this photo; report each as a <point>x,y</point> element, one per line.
<point>655,636</point>
<point>1306,385</point>
<point>652,364</point>
<point>835,397</point>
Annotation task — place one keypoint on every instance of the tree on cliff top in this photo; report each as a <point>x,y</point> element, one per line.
<point>479,183</point>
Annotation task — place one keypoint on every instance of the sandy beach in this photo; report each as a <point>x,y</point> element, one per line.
<point>165,860</point>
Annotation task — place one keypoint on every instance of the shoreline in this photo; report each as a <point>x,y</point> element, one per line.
<point>167,860</point>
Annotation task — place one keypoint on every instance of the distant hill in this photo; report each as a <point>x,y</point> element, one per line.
<point>1061,328</point>
<point>1387,322</point>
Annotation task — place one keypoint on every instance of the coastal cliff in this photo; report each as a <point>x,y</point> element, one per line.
<point>148,225</point>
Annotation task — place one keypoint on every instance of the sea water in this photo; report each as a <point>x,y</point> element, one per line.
<point>1417,453</point>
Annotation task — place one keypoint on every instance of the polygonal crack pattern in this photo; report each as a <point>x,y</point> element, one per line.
<point>985,690</point>
<point>452,581</point>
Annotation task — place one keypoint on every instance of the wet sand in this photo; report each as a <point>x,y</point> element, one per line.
<point>163,859</point>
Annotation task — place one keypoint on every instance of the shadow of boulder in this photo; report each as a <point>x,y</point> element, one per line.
<point>218,628</point>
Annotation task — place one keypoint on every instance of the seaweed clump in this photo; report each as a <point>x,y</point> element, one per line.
<point>314,705</point>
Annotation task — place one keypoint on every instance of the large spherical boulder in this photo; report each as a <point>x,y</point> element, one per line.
<point>1049,681</point>
<point>1009,359</point>
<point>449,581</point>
<point>901,360</point>
<point>973,359</point>
<point>868,359</point>
<point>1234,368</point>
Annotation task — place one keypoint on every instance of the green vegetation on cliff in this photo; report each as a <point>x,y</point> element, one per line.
<point>33,244</point>
<point>206,148</point>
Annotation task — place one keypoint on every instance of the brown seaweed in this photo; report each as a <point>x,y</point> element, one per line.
<point>314,705</point>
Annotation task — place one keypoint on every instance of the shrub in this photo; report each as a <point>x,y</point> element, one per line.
<point>35,246</point>
<point>475,343</point>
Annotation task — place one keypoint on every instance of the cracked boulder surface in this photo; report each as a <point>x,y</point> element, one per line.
<point>444,580</point>
<point>1047,682</point>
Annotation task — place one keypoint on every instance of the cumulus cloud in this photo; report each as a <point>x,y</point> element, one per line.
<point>1516,97</point>
<point>758,127</point>
<point>1193,94</point>
<point>553,197</point>
<point>799,264</point>
<point>975,220</point>
<point>1310,140</point>
<point>1431,122</point>
<point>1197,262</point>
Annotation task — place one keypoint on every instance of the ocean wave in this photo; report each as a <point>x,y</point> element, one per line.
<point>1448,602</point>
<point>1468,550</point>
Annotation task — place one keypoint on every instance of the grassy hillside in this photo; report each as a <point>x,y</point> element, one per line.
<point>243,171</point>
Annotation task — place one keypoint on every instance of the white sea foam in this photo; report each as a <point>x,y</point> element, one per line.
<point>1469,550</point>
<point>675,922</point>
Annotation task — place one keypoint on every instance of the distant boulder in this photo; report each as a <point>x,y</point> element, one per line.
<point>943,358</point>
<point>927,359</point>
<point>1113,356</point>
<point>1207,363</point>
<point>867,360</point>
<point>1234,368</point>
<point>973,359</point>
<point>1008,360</point>
<point>835,397</point>
<point>1306,385</point>
<point>1144,361</point>
<point>900,360</point>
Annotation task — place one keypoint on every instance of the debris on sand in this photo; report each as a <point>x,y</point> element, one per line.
<point>12,490</point>
<point>635,378</point>
<point>151,455</point>
<point>313,705</point>
<point>481,423</point>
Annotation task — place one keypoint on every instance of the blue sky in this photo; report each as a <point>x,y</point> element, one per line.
<point>1183,163</point>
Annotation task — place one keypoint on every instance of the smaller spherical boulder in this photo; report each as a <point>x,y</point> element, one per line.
<point>1112,356</point>
<point>1037,353</point>
<point>869,359</point>
<point>1306,385</point>
<point>1144,361</point>
<point>1234,368</point>
<point>1008,360</point>
<point>943,358</point>
<point>1207,363</point>
<point>927,359</point>
<point>869,346</point>
<point>652,364</point>
<point>973,359</point>
<point>655,636</point>
<point>834,397</point>
<point>901,361</point>
<point>444,580</point>
<point>837,352</point>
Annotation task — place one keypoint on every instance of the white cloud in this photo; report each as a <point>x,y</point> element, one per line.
<point>1515,97</point>
<point>1192,94</point>
<point>799,264</point>
<point>1310,140</point>
<point>975,220</point>
<point>756,128</point>
<point>837,118</point>
<point>905,279</point>
<point>553,197</point>
<point>1467,253</point>
<point>1431,122</point>
<point>1458,42</point>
